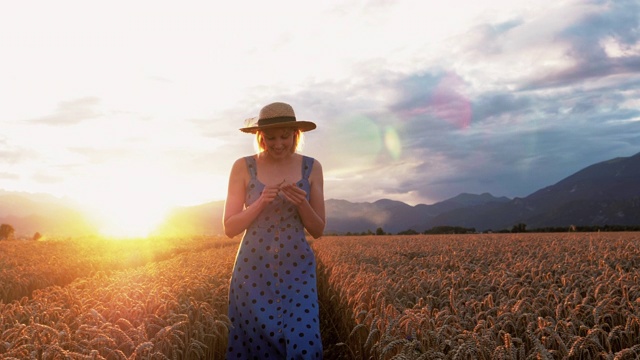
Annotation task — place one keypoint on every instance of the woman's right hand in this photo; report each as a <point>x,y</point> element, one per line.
<point>269,193</point>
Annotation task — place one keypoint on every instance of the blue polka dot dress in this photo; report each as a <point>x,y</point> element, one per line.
<point>273,304</point>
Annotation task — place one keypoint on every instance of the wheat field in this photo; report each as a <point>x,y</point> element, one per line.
<point>489,296</point>
<point>148,299</point>
<point>484,296</point>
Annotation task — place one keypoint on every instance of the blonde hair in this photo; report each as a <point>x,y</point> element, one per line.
<point>297,140</point>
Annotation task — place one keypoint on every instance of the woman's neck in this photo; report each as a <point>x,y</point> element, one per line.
<point>274,170</point>
<point>276,160</point>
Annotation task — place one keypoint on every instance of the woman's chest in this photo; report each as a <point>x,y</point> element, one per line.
<point>279,177</point>
<point>270,174</point>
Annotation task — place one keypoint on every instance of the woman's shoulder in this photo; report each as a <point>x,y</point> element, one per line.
<point>243,161</point>
<point>242,164</point>
<point>316,167</point>
<point>308,158</point>
<point>311,160</point>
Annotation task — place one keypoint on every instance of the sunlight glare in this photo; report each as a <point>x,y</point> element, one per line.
<point>128,200</point>
<point>129,218</point>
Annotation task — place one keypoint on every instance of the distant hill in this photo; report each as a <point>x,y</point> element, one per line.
<point>395,216</point>
<point>205,219</point>
<point>29,213</point>
<point>606,193</point>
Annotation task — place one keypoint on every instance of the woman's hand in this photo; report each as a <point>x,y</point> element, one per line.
<point>269,193</point>
<point>294,194</point>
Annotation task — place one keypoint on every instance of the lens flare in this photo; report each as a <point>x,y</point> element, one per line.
<point>367,141</point>
<point>364,140</point>
<point>392,142</point>
<point>450,103</point>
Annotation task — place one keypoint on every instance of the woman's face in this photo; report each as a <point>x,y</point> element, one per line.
<point>278,142</point>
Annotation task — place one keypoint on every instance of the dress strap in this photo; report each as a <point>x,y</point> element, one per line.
<point>251,165</point>
<point>307,165</point>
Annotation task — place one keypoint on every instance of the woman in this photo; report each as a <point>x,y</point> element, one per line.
<point>274,196</point>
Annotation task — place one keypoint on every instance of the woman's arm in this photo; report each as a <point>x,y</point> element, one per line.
<point>236,217</point>
<point>311,212</point>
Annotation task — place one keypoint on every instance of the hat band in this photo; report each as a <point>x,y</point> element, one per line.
<point>276,120</point>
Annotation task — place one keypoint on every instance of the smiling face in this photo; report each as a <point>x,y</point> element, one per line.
<point>278,142</point>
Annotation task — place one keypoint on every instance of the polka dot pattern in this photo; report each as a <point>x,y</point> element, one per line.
<point>273,303</point>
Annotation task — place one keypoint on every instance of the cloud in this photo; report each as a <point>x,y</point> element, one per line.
<point>14,154</point>
<point>455,138</point>
<point>615,23</point>
<point>493,105</point>
<point>93,155</point>
<point>47,177</point>
<point>9,176</point>
<point>413,102</point>
<point>71,112</point>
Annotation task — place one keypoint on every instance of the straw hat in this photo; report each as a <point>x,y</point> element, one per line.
<point>276,115</point>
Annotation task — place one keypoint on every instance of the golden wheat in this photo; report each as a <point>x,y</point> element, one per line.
<point>492,296</point>
<point>174,309</point>
<point>487,296</point>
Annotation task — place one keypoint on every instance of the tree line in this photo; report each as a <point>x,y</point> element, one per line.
<point>7,232</point>
<point>517,228</point>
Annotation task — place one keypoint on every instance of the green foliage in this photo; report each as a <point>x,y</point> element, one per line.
<point>450,230</point>
<point>594,228</point>
<point>408,232</point>
<point>519,228</point>
<point>6,232</point>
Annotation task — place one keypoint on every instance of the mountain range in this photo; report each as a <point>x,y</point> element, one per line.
<point>605,193</point>
<point>29,213</point>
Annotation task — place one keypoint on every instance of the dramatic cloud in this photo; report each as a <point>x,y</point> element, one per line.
<point>71,112</point>
<point>414,102</point>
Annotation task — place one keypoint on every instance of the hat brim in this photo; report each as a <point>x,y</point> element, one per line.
<point>301,125</point>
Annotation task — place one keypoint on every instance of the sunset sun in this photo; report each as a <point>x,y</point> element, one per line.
<point>128,217</point>
<point>128,200</point>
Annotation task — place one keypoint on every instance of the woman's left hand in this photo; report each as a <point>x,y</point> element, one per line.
<point>294,194</point>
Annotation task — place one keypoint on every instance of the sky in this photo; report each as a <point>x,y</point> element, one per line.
<point>137,104</point>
